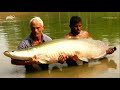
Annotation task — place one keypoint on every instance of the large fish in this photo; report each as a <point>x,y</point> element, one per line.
<point>49,52</point>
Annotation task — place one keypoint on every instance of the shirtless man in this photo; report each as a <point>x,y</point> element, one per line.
<point>77,32</point>
<point>76,29</point>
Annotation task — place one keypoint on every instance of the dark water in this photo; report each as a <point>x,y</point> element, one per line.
<point>104,26</point>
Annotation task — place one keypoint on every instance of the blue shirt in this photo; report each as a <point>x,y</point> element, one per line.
<point>28,41</point>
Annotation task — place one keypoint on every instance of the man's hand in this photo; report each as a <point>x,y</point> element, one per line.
<point>35,59</point>
<point>74,58</point>
<point>111,50</point>
<point>63,57</point>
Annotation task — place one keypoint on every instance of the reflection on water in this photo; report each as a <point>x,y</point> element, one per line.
<point>104,26</point>
<point>83,71</point>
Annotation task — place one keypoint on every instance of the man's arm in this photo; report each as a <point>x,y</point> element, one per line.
<point>111,50</point>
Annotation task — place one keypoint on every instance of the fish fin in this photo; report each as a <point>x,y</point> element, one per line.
<point>84,59</point>
<point>44,59</point>
<point>80,56</point>
<point>43,62</point>
<point>57,65</point>
<point>51,66</point>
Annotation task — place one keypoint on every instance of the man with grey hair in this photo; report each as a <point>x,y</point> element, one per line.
<point>36,37</point>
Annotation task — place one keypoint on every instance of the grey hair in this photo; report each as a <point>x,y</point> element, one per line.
<point>38,19</point>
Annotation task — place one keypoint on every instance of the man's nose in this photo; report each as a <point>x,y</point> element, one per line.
<point>35,30</point>
<point>78,28</point>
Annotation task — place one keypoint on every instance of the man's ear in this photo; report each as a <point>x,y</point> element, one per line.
<point>43,27</point>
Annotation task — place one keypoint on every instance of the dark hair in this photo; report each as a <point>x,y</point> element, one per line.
<point>74,20</point>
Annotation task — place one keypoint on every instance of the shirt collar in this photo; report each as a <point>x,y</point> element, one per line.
<point>31,39</point>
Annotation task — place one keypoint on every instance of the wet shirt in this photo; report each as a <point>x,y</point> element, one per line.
<point>28,41</point>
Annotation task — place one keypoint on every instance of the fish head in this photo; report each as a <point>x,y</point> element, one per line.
<point>19,55</point>
<point>12,54</point>
<point>9,53</point>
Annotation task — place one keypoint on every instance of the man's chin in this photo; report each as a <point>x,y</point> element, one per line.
<point>76,33</point>
<point>37,35</point>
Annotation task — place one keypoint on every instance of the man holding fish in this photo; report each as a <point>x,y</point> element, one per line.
<point>37,37</point>
<point>77,32</point>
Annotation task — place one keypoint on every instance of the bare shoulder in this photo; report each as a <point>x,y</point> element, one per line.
<point>85,34</point>
<point>67,36</point>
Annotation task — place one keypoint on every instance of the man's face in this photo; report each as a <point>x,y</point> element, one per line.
<point>76,28</point>
<point>36,28</point>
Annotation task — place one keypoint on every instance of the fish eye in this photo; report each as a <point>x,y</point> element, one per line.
<point>12,51</point>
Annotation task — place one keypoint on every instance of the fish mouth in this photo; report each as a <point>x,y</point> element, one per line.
<point>7,53</point>
<point>12,55</point>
